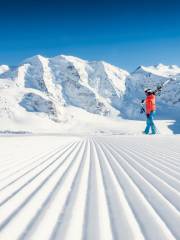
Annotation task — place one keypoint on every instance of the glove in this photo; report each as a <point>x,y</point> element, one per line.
<point>159,88</point>
<point>147,115</point>
<point>142,110</point>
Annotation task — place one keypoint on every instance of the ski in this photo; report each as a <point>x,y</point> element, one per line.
<point>157,92</point>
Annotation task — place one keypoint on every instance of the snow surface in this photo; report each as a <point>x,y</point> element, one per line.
<point>67,94</point>
<point>65,171</point>
<point>115,187</point>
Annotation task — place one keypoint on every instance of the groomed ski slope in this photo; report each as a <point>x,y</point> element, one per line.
<point>92,188</point>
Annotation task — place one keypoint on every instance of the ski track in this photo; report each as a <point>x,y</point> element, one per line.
<point>90,188</point>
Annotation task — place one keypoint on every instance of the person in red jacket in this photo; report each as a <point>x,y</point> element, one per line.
<point>150,103</point>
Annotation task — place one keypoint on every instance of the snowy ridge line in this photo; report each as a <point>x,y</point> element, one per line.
<point>97,217</point>
<point>12,160</point>
<point>135,195</point>
<point>172,158</point>
<point>52,95</point>
<point>167,176</point>
<point>53,202</point>
<point>156,182</point>
<point>30,179</point>
<point>162,155</point>
<point>172,154</point>
<point>105,188</point>
<point>7,160</point>
<point>151,194</point>
<point>159,154</point>
<point>88,195</point>
<point>154,164</point>
<point>168,170</point>
<point>42,159</point>
<point>69,211</point>
<point>29,196</point>
<point>118,206</point>
<point>36,159</point>
<point>162,161</point>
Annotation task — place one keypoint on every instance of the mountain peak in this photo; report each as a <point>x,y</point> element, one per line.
<point>3,68</point>
<point>46,87</point>
<point>139,69</point>
<point>34,59</point>
<point>71,58</point>
<point>160,65</point>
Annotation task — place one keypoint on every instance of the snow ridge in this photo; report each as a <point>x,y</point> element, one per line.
<point>46,88</point>
<point>90,188</point>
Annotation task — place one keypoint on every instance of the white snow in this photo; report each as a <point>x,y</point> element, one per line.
<point>113,187</point>
<point>161,70</point>
<point>3,69</point>
<point>73,161</point>
<point>66,93</point>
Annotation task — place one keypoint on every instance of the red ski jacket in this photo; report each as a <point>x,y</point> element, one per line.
<point>150,103</point>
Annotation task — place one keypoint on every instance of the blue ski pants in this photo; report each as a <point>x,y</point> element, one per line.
<point>150,124</point>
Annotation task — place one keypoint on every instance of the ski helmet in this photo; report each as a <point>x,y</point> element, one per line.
<point>148,90</point>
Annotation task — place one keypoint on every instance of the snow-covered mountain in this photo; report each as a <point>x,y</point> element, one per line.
<point>47,85</point>
<point>46,88</point>
<point>151,77</point>
<point>3,68</point>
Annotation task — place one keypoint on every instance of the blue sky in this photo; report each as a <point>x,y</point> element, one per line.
<point>125,33</point>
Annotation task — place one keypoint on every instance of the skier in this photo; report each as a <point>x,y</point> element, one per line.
<point>150,103</point>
